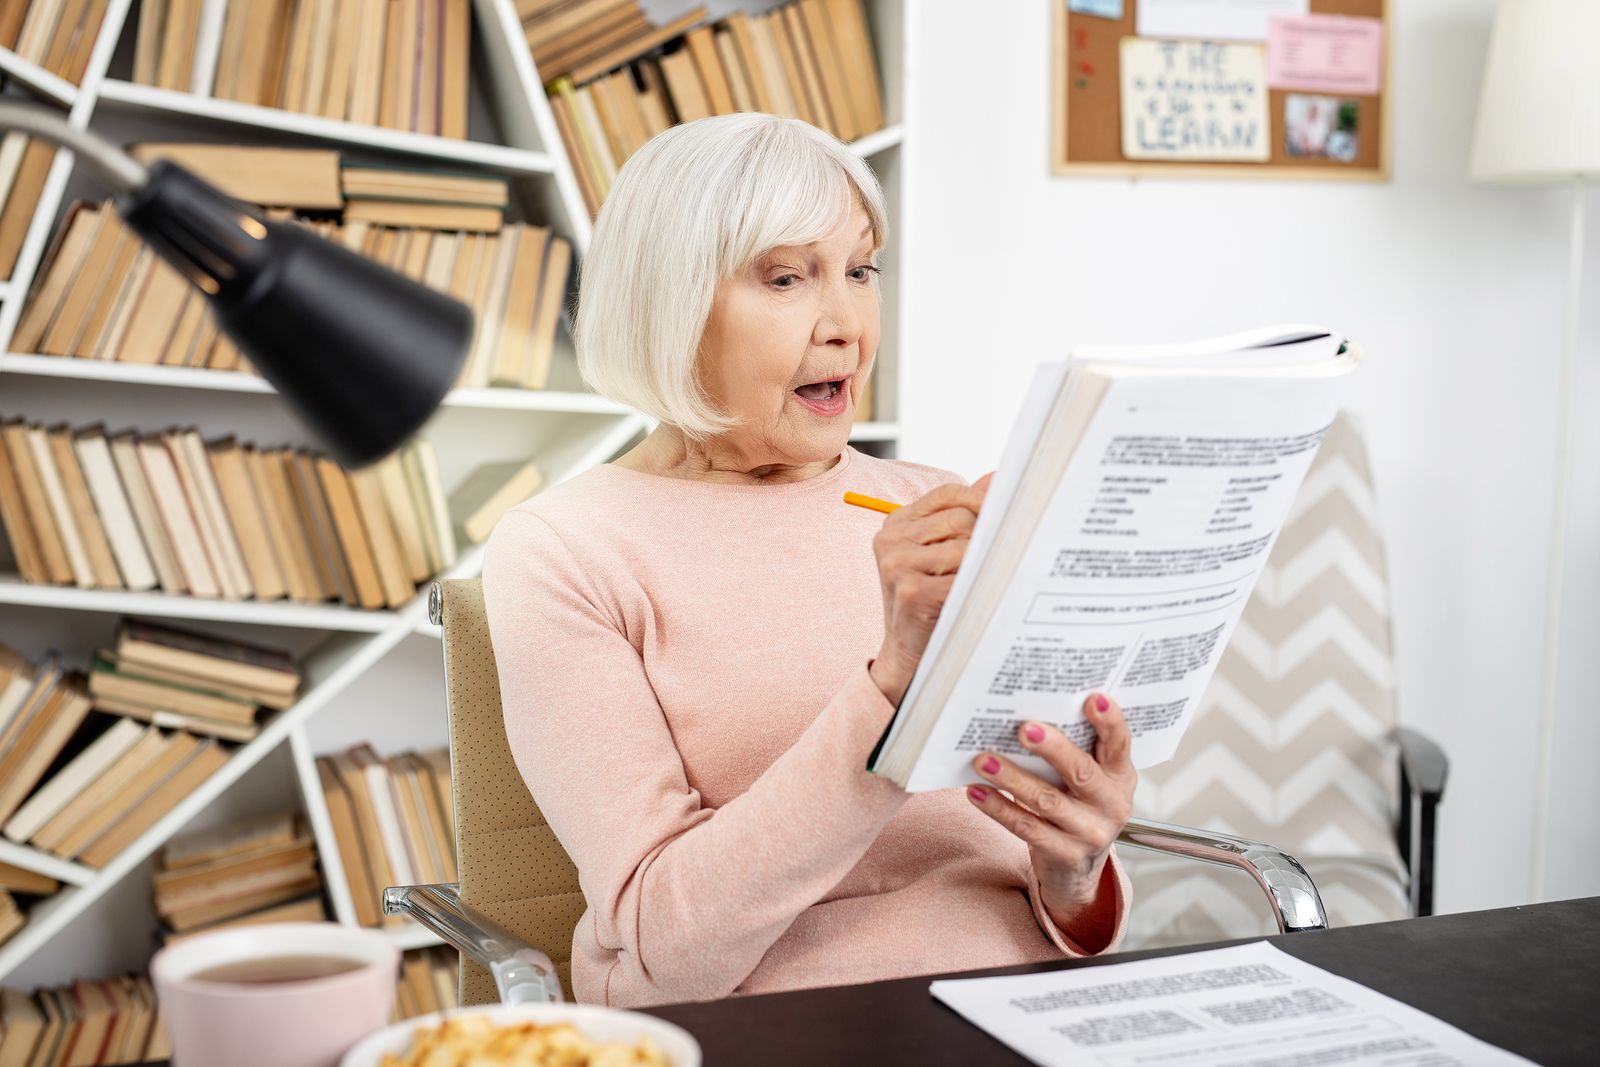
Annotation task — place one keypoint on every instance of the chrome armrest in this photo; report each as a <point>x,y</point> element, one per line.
<point>1295,902</point>
<point>521,973</point>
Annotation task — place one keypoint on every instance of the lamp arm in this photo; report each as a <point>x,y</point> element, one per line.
<point>120,170</point>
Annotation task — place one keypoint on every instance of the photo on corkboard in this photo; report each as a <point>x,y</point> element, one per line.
<point>1320,127</point>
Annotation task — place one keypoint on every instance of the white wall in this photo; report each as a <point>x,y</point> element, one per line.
<point>1456,290</point>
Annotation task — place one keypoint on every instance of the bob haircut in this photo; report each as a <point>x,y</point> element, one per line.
<point>695,204</point>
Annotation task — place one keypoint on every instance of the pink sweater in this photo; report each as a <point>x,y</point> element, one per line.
<point>684,671</point>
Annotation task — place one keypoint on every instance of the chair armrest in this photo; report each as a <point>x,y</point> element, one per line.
<point>1423,762</point>
<point>1423,769</point>
<point>521,973</point>
<point>1296,905</point>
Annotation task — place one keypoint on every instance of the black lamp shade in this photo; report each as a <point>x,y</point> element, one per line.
<point>362,353</point>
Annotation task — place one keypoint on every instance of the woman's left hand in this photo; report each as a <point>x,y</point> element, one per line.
<point>1068,825</point>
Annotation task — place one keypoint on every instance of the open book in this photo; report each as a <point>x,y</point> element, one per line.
<point>1133,509</point>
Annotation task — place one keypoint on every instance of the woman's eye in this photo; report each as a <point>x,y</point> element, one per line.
<point>865,273</point>
<point>782,277</point>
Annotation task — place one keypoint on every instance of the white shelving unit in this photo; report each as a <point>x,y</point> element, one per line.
<point>370,675</point>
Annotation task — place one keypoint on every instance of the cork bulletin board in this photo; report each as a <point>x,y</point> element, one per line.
<point>1328,124</point>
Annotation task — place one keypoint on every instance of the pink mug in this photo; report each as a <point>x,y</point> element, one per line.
<point>222,1006</point>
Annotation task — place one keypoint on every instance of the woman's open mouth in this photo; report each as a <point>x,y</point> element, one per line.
<point>827,398</point>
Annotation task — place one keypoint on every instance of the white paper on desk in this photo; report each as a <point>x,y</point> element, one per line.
<point>1216,20</point>
<point>1251,1004</point>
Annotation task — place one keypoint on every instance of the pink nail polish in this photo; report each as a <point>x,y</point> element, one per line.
<point>1034,732</point>
<point>991,766</point>
<point>978,793</point>
<point>1100,702</point>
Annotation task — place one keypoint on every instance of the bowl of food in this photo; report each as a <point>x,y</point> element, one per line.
<point>528,1035</point>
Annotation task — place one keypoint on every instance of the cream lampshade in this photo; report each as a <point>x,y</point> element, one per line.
<point>1539,122</point>
<point>1539,112</point>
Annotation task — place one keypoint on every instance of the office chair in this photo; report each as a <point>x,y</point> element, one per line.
<point>513,913</point>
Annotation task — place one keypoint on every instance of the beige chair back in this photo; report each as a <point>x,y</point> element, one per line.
<point>1293,741</point>
<point>511,866</point>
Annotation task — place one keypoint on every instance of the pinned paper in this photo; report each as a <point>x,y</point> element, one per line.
<point>1194,100</point>
<point>1106,9</point>
<point>1325,54</point>
<point>1217,20</point>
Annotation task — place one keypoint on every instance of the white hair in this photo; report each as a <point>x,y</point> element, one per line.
<point>695,204</point>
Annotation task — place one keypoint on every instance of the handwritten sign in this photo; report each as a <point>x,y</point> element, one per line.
<point>1325,54</point>
<point>1194,100</point>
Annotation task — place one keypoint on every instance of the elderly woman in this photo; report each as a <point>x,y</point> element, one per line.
<point>699,643</point>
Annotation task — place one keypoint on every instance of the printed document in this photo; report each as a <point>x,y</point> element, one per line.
<point>1132,512</point>
<point>1249,1005</point>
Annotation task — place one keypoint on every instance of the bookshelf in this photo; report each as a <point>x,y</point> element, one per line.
<point>369,675</point>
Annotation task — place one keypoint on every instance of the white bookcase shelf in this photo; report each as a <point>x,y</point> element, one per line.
<point>239,382</point>
<point>51,86</point>
<point>31,859</point>
<point>166,103</point>
<point>369,675</point>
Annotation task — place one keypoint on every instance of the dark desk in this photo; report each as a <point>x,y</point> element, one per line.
<point>1526,979</point>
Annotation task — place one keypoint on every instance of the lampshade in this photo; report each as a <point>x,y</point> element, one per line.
<point>362,354</point>
<point>1539,113</point>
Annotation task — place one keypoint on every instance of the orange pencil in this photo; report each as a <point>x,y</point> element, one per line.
<point>861,500</point>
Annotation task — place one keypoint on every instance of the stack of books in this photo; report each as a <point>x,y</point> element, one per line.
<point>219,519</point>
<point>393,820</point>
<point>190,681</point>
<point>403,66</point>
<point>810,59</point>
<point>83,775</point>
<point>427,983</point>
<point>20,882</point>
<point>57,35</point>
<point>424,198</point>
<point>24,165</point>
<point>103,294</point>
<point>567,36</point>
<point>258,870</point>
<point>108,1021</point>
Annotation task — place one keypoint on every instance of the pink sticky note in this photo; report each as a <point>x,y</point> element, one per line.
<point>1325,54</point>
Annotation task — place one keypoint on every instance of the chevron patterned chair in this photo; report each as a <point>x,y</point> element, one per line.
<point>1296,739</point>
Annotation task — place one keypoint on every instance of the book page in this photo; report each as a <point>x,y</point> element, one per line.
<point>1141,564</point>
<point>1250,1004</point>
<point>1027,427</point>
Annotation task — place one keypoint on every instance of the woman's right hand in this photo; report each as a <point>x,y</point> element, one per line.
<point>918,551</point>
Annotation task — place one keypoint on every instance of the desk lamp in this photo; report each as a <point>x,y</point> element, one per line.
<point>362,354</point>
<point>1539,123</point>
